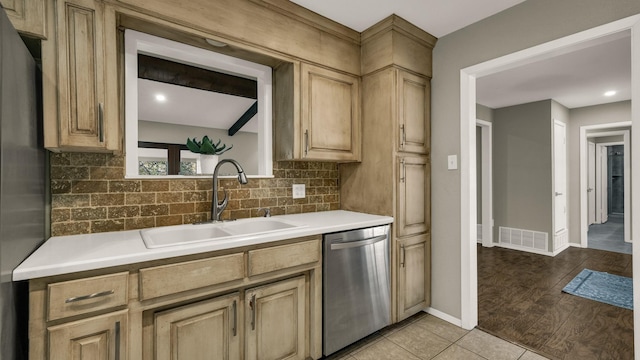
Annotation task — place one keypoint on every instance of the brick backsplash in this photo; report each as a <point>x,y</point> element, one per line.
<point>89,194</point>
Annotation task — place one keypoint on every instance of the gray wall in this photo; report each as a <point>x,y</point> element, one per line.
<point>530,23</point>
<point>484,113</point>
<point>590,115</point>
<point>522,167</point>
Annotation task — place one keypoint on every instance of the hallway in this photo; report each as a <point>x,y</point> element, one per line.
<point>609,236</point>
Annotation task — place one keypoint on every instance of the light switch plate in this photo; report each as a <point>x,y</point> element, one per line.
<point>298,191</point>
<point>452,162</point>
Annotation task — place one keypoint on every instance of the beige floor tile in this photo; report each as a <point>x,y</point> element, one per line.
<point>528,355</point>
<point>441,328</point>
<point>490,346</point>
<point>340,357</point>
<point>455,352</point>
<point>419,341</point>
<point>395,327</point>
<point>383,350</point>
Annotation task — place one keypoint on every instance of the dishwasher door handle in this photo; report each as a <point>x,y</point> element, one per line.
<point>359,243</point>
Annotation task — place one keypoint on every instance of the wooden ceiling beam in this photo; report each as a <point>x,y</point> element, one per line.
<point>170,72</point>
<point>244,119</point>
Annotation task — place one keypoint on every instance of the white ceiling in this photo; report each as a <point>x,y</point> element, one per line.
<point>437,17</point>
<point>575,79</point>
<point>196,107</point>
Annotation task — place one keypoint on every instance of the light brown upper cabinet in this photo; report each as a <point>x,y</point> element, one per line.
<point>413,215</point>
<point>414,109</point>
<point>317,114</point>
<point>394,177</point>
<point>80,78</point>
<point>27,16</point>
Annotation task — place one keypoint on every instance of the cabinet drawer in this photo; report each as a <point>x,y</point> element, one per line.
<point>170,279</point>
<point>281,257</point>
<point>86,295</point>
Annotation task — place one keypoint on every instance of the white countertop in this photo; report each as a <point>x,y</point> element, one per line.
<point>74,253</point>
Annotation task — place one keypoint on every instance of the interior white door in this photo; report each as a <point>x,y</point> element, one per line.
<point>604,177</point>
<point>560,176</point>
<point>591,182</point>
<point>599,184</point>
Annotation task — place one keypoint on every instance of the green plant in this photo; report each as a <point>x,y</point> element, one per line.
<point>206,146</point>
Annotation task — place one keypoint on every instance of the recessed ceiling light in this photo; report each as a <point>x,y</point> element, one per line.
<point>161,98</point>
<point>610,93</point>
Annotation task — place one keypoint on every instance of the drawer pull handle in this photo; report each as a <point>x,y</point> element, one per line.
<point>117,344</point>
<point>306,142</point>
<point>402,256</point>
<point>252,305</point>
<point>101,122</point>
<point>235,319</point>
<point>90,296</point>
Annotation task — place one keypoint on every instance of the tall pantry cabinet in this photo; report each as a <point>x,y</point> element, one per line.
<point>394,176</point>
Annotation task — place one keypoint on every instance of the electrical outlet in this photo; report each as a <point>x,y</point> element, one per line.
<point>298,191</point>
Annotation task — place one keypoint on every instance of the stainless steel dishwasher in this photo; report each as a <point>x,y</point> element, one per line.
<point>356,286</point>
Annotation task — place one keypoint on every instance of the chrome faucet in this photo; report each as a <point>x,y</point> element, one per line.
<point>218,207</point>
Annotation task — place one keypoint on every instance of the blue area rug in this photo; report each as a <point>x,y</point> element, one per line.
<point>604,287</point>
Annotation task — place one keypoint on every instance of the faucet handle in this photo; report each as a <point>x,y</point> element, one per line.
<point>267,212</point>
<point>223,204</point>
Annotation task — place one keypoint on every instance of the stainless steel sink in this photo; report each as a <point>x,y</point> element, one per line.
<point>218,231</point>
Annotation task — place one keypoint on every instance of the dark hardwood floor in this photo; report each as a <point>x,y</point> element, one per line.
<point>520,300</point>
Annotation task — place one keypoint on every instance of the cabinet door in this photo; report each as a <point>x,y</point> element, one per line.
<point>204,330</point>
<point>414,215</point>
<point>414,109</point>
<point>414,275</point>
<point>330,115</point>
<point>27,16</point>
<point>98,338</point>
<point>276,321</point>
<point>85,54</point>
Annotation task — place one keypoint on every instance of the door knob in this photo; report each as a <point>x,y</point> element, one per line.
<point>558,193</point>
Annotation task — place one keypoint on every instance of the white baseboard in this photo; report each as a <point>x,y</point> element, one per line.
<point>525,249</point>
<point>561,249</point>
<point>446,317</point>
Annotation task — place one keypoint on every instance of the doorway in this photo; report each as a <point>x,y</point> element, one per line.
<point>484,182</point>
<point>469,287</point>
<point>591,211</point>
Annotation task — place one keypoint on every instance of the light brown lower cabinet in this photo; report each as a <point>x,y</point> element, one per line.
<point>101,337</point>
<point>204,330</point>
<point>414,263</point>
<point>257,302</point>
<point>275,323</point>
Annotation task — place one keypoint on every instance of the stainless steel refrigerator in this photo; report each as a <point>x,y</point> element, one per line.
<point>22,183</point>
